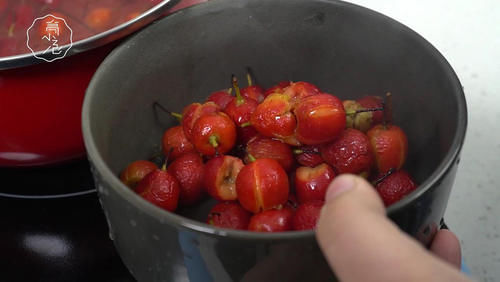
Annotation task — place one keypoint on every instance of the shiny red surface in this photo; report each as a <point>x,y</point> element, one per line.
<point>40,108</point>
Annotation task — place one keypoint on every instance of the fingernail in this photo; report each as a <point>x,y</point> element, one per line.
<point>340,185</point>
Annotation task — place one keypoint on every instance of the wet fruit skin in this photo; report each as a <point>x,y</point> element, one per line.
<point>221,98</point>
<point>395,186</point>
<point>220,177</point>
<point>389,145</point>
<point>189,171</point>
<point>311,183</point>
<point>136,171</point>
<point>274,118</point>
<point>306,216</point>
<point>175,143</point>
<point>276,220</point>
<point>320,118</point>
<point>278,88</point>
<point>229,215</point>
<point>245,134</point>
<point>161,189</point>
<point>309,156</point>
<point>240,111</point>
<point>350,153</point>
<point>192,112</point>
<point>372,102</point>
<point>253,92</point>
<point>217,126</point>
<point>263,147</point>
<point>300,90</point>
<point>262,185</point>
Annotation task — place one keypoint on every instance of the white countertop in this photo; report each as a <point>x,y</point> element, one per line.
<point>467,33</point>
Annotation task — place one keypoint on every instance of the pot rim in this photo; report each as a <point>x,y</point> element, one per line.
<point>181,222</point>
<point>94,41</point>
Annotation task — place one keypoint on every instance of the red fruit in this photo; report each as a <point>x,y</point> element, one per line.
<point>311,183</point>
<point>221,98</point>
<point>279,88</point>
<point>214,133</point>
<point>276,220</point>
<point>262,185</point>
<point>373,102</point>
<point>395,186</point>
<point>229,215</point>
<point>274,118</point>
<point>300,90</point>
<point>245,134</point>
<point>350,153</point>
<point>389,145</point>
<point>193,112</point>
<point>189,171</point>
<point>220,177</point>
<point>308,156</point>
<point>99,19</point>
<point>320,118</point>
<point>136,171</point>
<point>240,110</point>
<point>253,92</point>
<point>306,216</point>
<point>175,142</point>
<point>44,28</point>
<point>160,188</point>
<point>263,147</point>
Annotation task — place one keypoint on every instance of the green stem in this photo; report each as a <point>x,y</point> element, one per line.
<point>251,158</point>
<point>213,141</point>
<point>246,124</point>
<point>249,79</point>
<point>239,99</point>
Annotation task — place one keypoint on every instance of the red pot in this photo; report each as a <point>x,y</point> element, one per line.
<point>40,102</point>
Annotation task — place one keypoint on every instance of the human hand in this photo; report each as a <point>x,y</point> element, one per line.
<point>361,244</point>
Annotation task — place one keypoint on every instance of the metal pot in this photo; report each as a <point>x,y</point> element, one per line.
<point>40,102</point>
<point>345,49</point>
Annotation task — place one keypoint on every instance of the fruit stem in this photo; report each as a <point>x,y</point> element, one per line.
<point>229,91</point>
<point>213,141</point>
<point>239,99</point>
<point>302,151</point>
<point>387,109</point>
<point>249,79</point>
<point>164,167</point>
<point>383,177</point>
<point>352,112</point>
<point>251,158</point>
<point>246,124</point>
<point>174,114</point>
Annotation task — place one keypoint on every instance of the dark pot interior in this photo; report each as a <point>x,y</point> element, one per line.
<point>346,50</point>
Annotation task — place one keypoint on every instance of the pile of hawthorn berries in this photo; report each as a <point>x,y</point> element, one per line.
<point>268,156</point>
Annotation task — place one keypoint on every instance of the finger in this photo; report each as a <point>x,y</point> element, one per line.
<point>361,244</point>
<point>447,247</point>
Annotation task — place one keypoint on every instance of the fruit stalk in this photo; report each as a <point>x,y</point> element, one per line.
<point>239,99</point>
<point>161,107</point>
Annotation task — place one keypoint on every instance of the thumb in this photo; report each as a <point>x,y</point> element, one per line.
<point>361,244</point>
